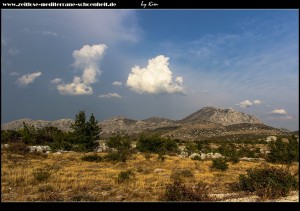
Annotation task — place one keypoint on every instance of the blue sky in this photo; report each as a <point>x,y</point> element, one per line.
<point>144,63</point>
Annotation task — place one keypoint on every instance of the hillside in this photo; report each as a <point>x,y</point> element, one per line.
<point>61,124</point>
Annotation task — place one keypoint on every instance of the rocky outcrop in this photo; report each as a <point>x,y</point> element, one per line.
<point>220,116</point>
<point>122,126</point>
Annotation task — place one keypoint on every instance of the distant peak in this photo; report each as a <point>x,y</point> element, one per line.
<point>220,116</point>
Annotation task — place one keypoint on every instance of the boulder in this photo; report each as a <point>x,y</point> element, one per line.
<point>211,155</point>
<point>251,159</point>
<point>40,149</point>
<point>159,170</point>
<point>194,155</point>
<point>271,138</point>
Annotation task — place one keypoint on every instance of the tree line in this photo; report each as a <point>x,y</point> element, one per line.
<point>81,138</point>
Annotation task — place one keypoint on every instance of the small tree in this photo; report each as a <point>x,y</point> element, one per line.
<point>28,134</point>
<point>93,130</point>
<point>123,146</point>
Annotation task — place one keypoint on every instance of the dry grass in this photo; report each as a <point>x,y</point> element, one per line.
<point>72,179</point>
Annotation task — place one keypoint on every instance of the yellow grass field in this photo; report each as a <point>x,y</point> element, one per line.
<point>72,179</point>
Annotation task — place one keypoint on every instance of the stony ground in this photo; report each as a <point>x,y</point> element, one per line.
<point>72,179</point>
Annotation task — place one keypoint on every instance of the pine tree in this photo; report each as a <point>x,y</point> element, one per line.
<point>79,128</point>
<point>93,129</point>
<point>86,133</point>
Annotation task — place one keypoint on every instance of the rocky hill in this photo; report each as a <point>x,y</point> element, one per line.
<point>122,125</point>
<point>205,123</point>
<point>61,124</point>
<point>220,116</point>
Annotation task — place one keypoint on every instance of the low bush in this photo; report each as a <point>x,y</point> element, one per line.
<point>177,191</point>
<point>91,158</point>
<point>197,157</point>
<point>179,174</point>
<point>161,157</point>
<point>41,175</point>
<point>18,148</point>
<point>46,188</point>
<point>219,163</point>
<point>156,144</point>
<point>121,156</point>
<point>124,176</point>
<point>285,153</point>
<point>269,182</point>
<point>147,156</point>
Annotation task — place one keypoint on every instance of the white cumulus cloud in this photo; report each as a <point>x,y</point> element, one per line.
<point>117,83</point>
<point>56,81</point>
<point>28,78</point>
<point>280,114</point>
<point>75,88</point>
<point>110,95</point>
<point>155,78</point>
<point>257,102</point>
<point>245,104</point>
<point>87,58</point>
<point>248,103</point>
<point>279,111</point>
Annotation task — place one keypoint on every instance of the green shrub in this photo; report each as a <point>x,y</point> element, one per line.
<point>124,176</point>
<point>191,147</point>
<point>10,136</point>
<point>219,163</point>
<point>41,175</point>
<point>123,146</point>
<point>121,156</point>
<point>92,158</point>
<point>177,191</point>
<point>156,144</point>
<point>269,182</point>
<point>197,157</point>
<point>285,153</point>
<point>230,151</point>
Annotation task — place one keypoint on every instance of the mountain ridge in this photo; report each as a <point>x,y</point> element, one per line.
<point>206,122</point>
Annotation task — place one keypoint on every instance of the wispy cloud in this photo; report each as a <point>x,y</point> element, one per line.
<point>13,51</point>
<point>14,74</point>
<point>110,95</point>
<point>117,83</point>
<point>111,25</point>
<point>155,78</point>
<point>87,58</point>
<point>24,80</point>
<point>56,81</point>
<point>41,32</point>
